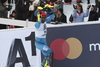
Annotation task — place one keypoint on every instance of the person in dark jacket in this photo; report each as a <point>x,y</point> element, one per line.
<point>3,9</point>
<point>59,16</point>
<point>93,16</point>
<point>88,1</point>
<point>98,5</point>
<point>3,12</point>
<point>22,10</point>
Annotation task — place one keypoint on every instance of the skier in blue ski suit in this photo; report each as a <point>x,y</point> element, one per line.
<point>40,37</point>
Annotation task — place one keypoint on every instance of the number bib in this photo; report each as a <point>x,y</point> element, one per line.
<point>41,31</point>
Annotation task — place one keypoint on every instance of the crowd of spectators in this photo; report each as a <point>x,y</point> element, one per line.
<point>28,9</point>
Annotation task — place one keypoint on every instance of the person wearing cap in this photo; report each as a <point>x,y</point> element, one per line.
<point>40,39</point>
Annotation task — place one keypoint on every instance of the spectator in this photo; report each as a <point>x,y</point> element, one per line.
<point>3,9</point>
<point>98,5</point>
<point>22,10</point>
<point>3,12</point>
<point>35,4</point>
<point>93,16</point>
<point>59,16</point>
<point>32,7</point>
<point>31,10</point>
<point>12,16</point>
<point>78,14</point>
<point>88,1</point>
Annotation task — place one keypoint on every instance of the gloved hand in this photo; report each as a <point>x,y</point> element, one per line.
<point>88,7</point>
<point>74,6</point>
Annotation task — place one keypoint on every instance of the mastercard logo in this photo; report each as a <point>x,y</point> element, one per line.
<point>70,48</point>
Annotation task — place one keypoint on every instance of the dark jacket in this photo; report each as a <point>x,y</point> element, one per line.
<point>93,16</point>
<point>71,18</point>
<point>3,11</point>
<point>63,17</point>
<point>22,11</point>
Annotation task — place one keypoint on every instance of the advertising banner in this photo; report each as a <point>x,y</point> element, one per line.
<point>17,48</point>
<point>75,46</point>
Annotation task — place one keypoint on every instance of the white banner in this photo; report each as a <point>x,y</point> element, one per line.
<point>7,38</point>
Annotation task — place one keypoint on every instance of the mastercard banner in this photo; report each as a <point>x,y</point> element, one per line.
<point>75,46</point>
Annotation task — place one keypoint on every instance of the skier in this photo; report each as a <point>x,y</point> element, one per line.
<point>40,40</point>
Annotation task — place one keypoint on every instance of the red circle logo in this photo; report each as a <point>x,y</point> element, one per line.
<point>70,48</point>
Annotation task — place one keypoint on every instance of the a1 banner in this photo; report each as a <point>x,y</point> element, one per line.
<point>17,48</point>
